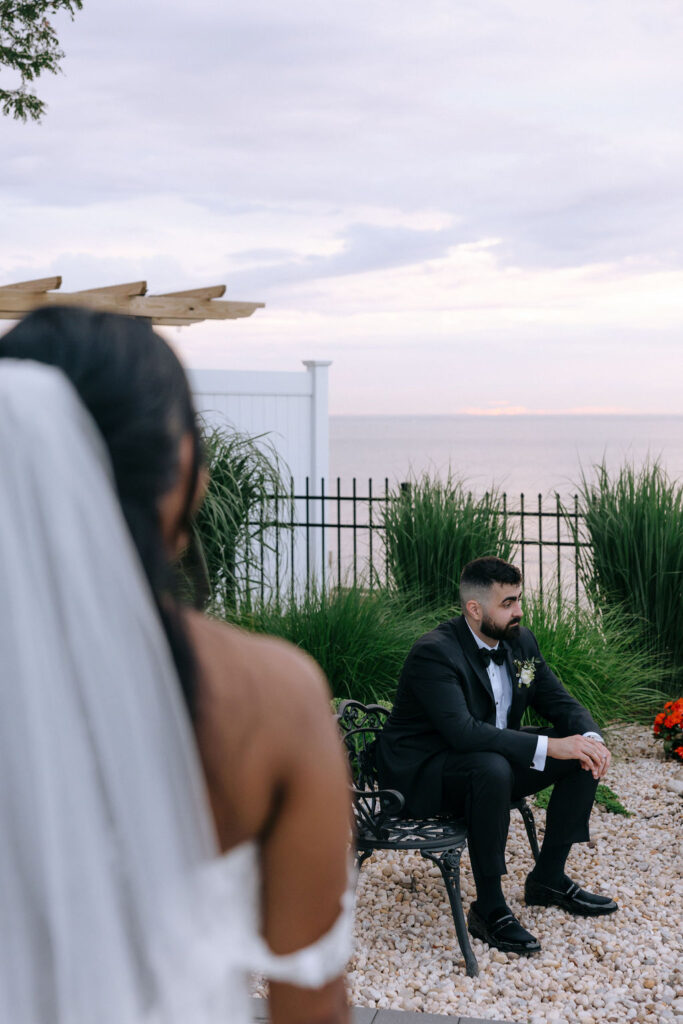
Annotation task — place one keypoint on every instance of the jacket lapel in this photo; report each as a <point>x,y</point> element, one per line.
<point>471,651</point>
<point>518,702</point>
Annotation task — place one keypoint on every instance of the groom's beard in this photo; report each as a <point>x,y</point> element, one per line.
<point>509,632</point>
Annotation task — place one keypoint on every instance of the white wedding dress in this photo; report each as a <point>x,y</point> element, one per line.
<point>115,905</point>
<point>235,876</point>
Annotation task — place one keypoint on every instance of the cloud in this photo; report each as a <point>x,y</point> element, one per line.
<point>389,179</point>
<point>362,248</point>
<point>521,126</point>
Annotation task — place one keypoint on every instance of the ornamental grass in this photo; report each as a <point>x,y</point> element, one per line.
<point>433,528</point>
<point>593,655</point>
<point>634,523</point>
<point>234,525</point>
<point>360,638</point>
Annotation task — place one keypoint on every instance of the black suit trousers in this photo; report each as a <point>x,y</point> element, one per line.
<point>481,786</point>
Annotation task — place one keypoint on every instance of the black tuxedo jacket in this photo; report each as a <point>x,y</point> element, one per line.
<point>445,704</point>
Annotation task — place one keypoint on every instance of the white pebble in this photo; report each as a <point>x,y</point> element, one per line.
<point>594,971</point>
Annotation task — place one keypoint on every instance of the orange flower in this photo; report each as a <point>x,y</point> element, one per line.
<point>668,724</point>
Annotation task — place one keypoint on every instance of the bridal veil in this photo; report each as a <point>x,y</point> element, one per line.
<point>104,817</point>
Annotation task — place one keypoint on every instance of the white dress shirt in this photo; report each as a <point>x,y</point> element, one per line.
<point>501,684</point>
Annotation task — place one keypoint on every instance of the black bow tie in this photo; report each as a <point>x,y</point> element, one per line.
<point>497,655</point>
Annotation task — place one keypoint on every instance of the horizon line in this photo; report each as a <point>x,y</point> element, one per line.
<point>491,413</point>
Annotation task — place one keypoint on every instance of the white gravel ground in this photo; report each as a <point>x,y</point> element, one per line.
<point>624,967</point>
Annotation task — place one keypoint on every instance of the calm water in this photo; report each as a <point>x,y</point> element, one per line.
<point>530,454</point>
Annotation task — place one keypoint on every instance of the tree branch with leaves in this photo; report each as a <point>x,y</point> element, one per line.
<point>29,46</point>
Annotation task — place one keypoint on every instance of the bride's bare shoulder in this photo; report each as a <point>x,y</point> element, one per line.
<point>231,659</point>
<point>262,715</point>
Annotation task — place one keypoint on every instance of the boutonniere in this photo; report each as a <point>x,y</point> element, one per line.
<point>526,671</point>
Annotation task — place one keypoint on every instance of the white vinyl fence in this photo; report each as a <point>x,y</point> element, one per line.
<point>291,410</point>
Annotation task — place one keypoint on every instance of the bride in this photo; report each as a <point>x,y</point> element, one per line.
<point>173,797</point>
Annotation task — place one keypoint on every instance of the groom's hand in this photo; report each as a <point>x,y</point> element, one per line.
<point>592,754</point>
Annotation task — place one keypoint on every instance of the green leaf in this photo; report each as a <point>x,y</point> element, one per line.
<point>610,801</point>
<point>29,46</point>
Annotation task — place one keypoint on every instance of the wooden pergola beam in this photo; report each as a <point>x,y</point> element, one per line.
<point>164,321</point>
<point>43,284</point>
<point>176,308</point>
<point>215,292</point>
<point>125,290</point>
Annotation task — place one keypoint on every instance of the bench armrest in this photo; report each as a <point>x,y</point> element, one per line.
<point>372,807</point>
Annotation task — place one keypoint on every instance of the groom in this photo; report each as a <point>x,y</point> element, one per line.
<point>453,744</point>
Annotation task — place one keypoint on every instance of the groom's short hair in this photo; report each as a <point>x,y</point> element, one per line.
<point>478,577</point>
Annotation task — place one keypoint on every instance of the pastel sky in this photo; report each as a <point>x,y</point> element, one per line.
<point>467,205</point>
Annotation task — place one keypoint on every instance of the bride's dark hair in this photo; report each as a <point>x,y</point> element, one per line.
<point>136,390</point>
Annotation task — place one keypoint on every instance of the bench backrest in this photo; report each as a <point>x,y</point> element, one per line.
<point>360,725</point>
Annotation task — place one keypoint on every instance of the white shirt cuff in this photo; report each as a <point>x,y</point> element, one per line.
<point>541,753</point>
<point>594,736</point>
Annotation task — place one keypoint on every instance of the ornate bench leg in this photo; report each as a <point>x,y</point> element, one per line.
<point>448,864</point>
<point>530,825</point>
<point>361,857</point>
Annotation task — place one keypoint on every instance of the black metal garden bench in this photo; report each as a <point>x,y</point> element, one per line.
<point>380,824</point>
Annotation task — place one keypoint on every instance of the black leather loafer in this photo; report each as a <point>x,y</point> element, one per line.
<point>573,899</point>
<point>504,932</point>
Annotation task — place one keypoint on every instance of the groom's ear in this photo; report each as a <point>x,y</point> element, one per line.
<point>473,609</point>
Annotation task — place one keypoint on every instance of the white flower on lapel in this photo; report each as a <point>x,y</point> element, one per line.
<point>526,671</point>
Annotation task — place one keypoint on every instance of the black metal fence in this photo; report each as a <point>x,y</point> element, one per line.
<point>330,536</point>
